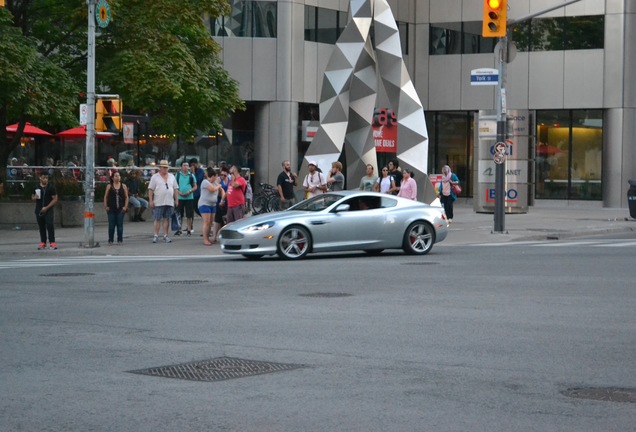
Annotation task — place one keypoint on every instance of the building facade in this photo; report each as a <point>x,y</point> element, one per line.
<point>574,71</point>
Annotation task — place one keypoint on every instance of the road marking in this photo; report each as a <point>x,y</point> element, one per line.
<point>617,243</point>
<point>106,259</point>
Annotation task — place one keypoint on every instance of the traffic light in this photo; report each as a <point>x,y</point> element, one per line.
<point>108,115</point>
<point>495,16</point>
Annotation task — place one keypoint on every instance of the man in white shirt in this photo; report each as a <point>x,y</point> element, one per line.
<point>315,182</point>
<point>162,198</point>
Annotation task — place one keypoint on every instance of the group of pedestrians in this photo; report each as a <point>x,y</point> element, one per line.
<point>219,197</point>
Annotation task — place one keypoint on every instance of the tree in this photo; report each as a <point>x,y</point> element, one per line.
<point>32,88</point>
<point>161,60</point>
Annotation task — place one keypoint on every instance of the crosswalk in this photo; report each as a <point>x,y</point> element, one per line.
<point>88,260</point>
<point>601,243</point>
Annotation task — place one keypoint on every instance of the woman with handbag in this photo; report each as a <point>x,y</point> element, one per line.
<point>448,190</point>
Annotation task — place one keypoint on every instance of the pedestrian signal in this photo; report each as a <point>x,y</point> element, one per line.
<point>108,115</point>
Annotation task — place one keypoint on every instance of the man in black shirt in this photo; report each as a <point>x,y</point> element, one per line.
<point>396,174</point>
<point>285,183</point>
<point>45,197</point>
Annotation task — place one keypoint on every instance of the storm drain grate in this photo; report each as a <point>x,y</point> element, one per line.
<point>217,369</point>
<point>184,282</point>
<point>67,274</point>
<point>608,394</point>
<point>326,295</point>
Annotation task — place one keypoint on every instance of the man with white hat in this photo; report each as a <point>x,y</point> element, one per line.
<point>315,182</point>
<point>162,198</point>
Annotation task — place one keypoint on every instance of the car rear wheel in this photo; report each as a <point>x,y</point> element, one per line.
<point>419,238</point>
<point>294,243</point>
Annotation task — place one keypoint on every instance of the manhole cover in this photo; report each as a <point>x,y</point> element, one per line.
<point>326,294</point>
<point>419,263</point>
<point>217,369</point>
<point>609,394</point>
<point>184,282</point>
<point>67,274</point>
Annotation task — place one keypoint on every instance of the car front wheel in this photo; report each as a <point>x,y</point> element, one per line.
<point>294,243</point>
<point>419,238</point>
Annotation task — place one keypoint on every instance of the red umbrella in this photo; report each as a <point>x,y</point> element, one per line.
<point>80,132</point>
<point>29,129</point>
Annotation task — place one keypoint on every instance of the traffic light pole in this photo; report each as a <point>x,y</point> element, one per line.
<point>89,177</point>
<point>500,168</point>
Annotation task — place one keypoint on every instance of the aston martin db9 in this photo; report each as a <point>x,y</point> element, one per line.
<point>338,221</point>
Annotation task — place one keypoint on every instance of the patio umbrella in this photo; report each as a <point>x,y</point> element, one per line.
<point>29,129</point>
<point>80,132</point>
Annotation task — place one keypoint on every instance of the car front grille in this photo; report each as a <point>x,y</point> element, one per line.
<point>231,235</point>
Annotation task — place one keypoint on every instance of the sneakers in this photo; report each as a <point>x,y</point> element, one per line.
<point>166,239</point>
<point>155,238</point>
<point>189,233</point>
<point>42,246</point>
<point>53,246</point>
<point>177,233</point>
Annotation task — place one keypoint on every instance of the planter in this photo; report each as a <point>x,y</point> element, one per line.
<point>69,212</point>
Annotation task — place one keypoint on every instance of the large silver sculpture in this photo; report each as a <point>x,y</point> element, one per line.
<point>349,96</point>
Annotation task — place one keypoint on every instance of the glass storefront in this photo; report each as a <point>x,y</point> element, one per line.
<point>568,154</point>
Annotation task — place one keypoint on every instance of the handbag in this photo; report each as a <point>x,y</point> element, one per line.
<point>175,221</point>
<point>456,189</point>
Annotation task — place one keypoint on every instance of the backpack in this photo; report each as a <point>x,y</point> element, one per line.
<point>191,178</point>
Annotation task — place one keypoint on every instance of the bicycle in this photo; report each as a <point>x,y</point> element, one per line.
<point>264,199</point>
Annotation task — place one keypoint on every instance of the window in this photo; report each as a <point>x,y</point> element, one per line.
<point>446,39</point>
<point>568,154</point>
<point>403,28</point>
<point>541,34</point>
<point>248,19</point>
<point>324,25</point>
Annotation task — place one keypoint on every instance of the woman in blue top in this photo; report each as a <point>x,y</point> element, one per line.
<point>445,192</point>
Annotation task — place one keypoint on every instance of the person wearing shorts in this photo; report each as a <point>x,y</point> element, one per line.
<point>211,189</point>
<point>162,199</point>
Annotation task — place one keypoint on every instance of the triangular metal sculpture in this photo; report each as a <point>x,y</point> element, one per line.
<point>349,95</point>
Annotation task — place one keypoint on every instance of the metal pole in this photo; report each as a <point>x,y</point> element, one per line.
<point>89,180</point>
<point>500,169</point>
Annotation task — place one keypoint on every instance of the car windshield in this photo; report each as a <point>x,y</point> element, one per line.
<point>317,203</point>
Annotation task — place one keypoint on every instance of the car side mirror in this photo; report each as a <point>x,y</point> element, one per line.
<point>343,208</point>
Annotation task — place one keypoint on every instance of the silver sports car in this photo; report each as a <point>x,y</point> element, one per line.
<point>338,221</point>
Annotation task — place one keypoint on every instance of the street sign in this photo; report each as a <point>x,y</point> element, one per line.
<point>83,114</point>
<point>499,158</point>
<point>129,133</point>
<point>484,76</point>
<point>500,148</point>
<point>102,13</point>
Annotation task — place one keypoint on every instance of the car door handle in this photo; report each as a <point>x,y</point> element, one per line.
<point>318,222</point>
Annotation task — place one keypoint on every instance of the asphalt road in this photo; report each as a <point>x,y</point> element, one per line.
<point>467,338</point>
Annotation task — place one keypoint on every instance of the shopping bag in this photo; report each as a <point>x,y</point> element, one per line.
<point>176,221</point>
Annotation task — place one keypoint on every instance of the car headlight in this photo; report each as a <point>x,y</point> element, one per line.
<point>260,227</point>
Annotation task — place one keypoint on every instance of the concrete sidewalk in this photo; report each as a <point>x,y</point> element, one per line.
<point>540,223</point>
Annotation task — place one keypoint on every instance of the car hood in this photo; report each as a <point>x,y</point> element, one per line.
<point>266,217</point>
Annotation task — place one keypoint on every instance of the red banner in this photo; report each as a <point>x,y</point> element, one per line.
<point>385,130</point>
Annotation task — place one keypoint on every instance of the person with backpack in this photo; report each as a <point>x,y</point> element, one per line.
<point>236,195</point>
<point>315,182</point>
<point>199,176</point>
<point>187,185</point>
